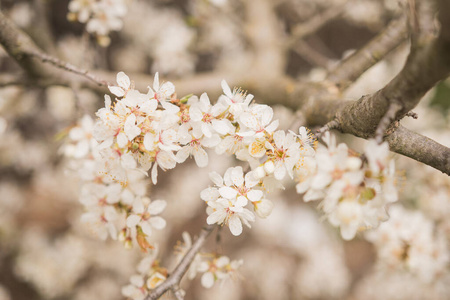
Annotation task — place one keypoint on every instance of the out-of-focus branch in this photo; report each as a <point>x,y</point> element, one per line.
<point>175,277</point>
<point>312,56</point>
<point>35,62</point>
<point>352,67</point>
<point>312,25</point>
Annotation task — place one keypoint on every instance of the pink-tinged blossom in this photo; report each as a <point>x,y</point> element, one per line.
<point>284,153</point>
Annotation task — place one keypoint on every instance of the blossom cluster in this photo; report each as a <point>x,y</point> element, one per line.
<point>139,133</point>
<point>354,189</point>
<point>100,16</point>
<point>410,241</point>
<point>119,210</point>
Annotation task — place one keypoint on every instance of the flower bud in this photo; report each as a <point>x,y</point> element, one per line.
<point>259,172</point>
<point>354,163</point>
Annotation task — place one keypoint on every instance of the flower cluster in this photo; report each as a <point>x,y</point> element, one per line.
<point>100,16</point>
<point>119,210</point>
<point>411,243</point>
<point>354,193</point>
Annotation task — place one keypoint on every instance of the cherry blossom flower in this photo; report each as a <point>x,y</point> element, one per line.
<point>162,93</point>
<point>144,213</point>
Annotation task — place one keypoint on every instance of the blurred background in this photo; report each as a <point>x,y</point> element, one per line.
<point>45,253</point>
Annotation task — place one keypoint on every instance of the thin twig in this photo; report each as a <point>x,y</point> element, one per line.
<point>388,118</point>
<point>68,67</point>
<point>176,276</point>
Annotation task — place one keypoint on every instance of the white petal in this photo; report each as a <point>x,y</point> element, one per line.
<point>220,126</point>
<point>130,128</point>
<point>209,194</point>
<point>156,207</point>
<point>133,220</point>
<point>122,140</point>
<point>183,154</point>
<point>195,113</point>
<point>207,280</point>
<point>237,176</point>
<point>155,174</point>
<point>216,217</point>
<point>201,157</point>
<point>241,201</point>
<point>255,195</point>
<point>235,225</point>
<point>280,171</point>
<point>216,178</point>
<point>118,91</point>
<point>147,228</point>
<point>149,141</point>
<point>156,82</point>
<point>227,192</point>
<point>157,222</point>
<point>128,161</point>
<point>279,137</point>
<point>123,80</point>
<point>226,89</point>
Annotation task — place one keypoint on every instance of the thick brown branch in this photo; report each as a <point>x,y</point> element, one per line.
<point>175,277</point>
<point>420,148</point>
<point>352,67</point>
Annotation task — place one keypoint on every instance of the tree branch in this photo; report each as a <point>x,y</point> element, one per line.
<point>427,64</point>
<point>175,277</point>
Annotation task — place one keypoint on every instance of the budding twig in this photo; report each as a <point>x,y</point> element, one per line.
<point>412,115</point>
